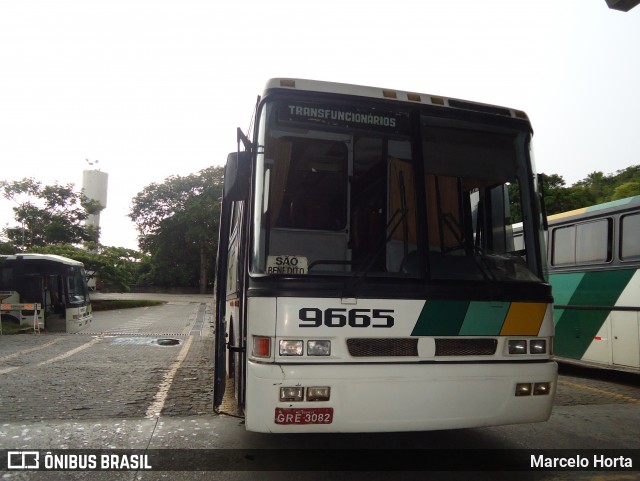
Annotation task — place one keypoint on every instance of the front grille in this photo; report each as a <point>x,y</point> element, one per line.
<point>466,347</point>
<point>366,347</point>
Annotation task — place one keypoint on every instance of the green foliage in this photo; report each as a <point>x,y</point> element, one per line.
<point>46,215</point>
<point>117,304</point>
<point>114,266</point>
<point>11,326</point>
<point>628,189</point>
<point>7,248</point>
<point>177,222</point>
<point>596,188</point>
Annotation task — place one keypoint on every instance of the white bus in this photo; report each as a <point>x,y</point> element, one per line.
<point>367,278</point>
<point>594,262</point>
<point>58,284</point>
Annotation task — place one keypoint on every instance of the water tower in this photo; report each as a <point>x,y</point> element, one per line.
<point>94,185</point>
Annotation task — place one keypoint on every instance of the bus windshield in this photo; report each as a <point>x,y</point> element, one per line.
<point>344,190</point>
<point>77,285</point>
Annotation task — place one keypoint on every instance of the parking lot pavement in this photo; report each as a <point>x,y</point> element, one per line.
<point>114,387</point>
<point>166,297</point>
<point>116,368</point>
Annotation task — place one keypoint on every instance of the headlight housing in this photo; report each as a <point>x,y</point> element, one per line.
<point>291,347</point>
<point>319,348</point>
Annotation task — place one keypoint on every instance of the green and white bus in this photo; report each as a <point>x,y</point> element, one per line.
<point>367,278</point>
<point>56,283</point>
<point>594,262</point>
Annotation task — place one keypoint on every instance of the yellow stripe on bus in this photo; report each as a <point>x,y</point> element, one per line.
<point>569,213</point>
<point>524,319</point>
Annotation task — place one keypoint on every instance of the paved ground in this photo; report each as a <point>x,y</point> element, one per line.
<point>114,387</point>
<point>115,368</point>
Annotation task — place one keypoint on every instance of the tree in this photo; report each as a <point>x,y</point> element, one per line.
<point>598,185</point>
<point>628,189</point>
<point>6,248</point>
<point>52,214</point>
<point>596,188</point>
<point>114,266</point>
<point>177,222</point>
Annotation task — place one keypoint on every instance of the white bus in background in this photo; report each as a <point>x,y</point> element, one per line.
<point>58,284</point>
<point>367,278</point>
<point>594,266</point>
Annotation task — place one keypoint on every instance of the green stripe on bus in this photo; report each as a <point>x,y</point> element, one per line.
<point>613,203</point>
<point>461,318</point>
<point>564,286</point>
<point>575,329</point>
<point>441,318</point>
<point>484,318</point>
<point>601,288</point>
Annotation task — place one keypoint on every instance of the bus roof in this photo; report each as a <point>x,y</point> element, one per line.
<point>390,94</point>
<point>43,257</point>
<point>628,202</point>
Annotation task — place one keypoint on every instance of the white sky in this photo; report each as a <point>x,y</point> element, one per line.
<point>153,88</point>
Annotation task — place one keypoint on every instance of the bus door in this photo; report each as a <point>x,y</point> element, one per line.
<point>229,344</point>
<point>625,331</point>
<point>236,301</point>
<point>53,296</point>
<point>32,292</point>
<point>220,367</point>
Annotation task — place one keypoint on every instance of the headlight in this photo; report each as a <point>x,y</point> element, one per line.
<point>291,348</point>
<point>541,388</point>
<point>538,346</point>
<point>517,346</point>
<point>318,393</point>
<point>523,389</point>
<point>319,348</point>
<point>293,393</point>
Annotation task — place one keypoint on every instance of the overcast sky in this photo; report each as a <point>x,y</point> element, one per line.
<point>153,88</point>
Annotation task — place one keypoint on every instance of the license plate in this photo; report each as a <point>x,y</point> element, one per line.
<point>304,416</point>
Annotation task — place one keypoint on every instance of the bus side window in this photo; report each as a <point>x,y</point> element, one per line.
<point>563,246</point>
<point>629,238</point>
<point>594,241</point>
<point>584,243</point>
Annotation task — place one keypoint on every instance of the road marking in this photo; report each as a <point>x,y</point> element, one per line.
<point>48,361</point>
<point>70,353</point>
<point>600,391</point>
<point>31,349</point>
<point>159,399</point>
<point>9,369</point>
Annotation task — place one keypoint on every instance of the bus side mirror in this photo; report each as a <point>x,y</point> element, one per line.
<point>237,175</point>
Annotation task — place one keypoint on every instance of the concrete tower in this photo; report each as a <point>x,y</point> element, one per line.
<point>94,184</point>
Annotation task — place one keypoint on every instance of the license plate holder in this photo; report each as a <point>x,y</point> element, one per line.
<point>303,416</point>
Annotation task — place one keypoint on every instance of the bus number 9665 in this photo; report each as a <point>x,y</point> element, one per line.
<point>339,317</point>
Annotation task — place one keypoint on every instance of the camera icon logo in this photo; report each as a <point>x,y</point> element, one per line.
<point>23,460</point>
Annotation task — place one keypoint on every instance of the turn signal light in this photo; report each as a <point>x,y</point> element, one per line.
<point>261,346</point>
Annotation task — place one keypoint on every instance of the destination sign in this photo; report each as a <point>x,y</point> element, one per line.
<point>343,116</point>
